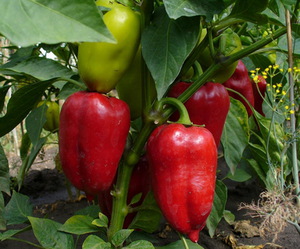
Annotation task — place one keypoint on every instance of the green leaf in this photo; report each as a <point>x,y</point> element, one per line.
<point>94,242</point>
<point>92,211</point>
<point>276,12</point>
<point>179,245</point>
<point>288,3</point>
<point>250,10</point>
<point>46,232</point>
<point>235,135</point>
<point>29,22</point>
<point>239,175</point>
<point>258,170</point>
<point>102,221</point>
<point>40,68</point>
<point>136,199</point>
<point>68,89</point>
<point>229,217</point>
<point>28,161</point>
<point>218,208</point>
<point>18,209</point>
<point>8,234</point>
<point>4,173</point>
<point>3,91</point>
<point>2,219</point>
<point>148,217</point>
<point>119,237</point>
<point>140,244</point>
<point>178,8</point>
<point>79,224</point>
<point>34,123</point>
<point>166,43</point>
<point>20,104</point>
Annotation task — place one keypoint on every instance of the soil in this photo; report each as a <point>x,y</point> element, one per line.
<point>46,188</point>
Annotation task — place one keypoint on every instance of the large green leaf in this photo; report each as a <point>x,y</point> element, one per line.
<point>18,209</point>
<point>40,68</point>
<point>46,232</point>
<point>178,8</point>
<point>235,135</point>
<point>28,22</point>
<point>166,43</point>
<point>20,104</point>
<point>250,10</point>
<point>217,211</point>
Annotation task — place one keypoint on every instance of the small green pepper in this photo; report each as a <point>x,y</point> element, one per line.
<point>52,115</point>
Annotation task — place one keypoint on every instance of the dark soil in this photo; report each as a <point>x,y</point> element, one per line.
<point>46,188</point>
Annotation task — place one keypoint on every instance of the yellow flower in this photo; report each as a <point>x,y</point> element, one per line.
<point>289,70</point>
<point>286,107</point>
<point>292,111</point>
<point>283,92</point>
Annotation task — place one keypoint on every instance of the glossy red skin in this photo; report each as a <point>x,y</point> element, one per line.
<point>92,136</point>
<point>208,106</point>
<point>140,182</point>
<point>259,90</point>
<point>183,163</point>
<point>240,82</point>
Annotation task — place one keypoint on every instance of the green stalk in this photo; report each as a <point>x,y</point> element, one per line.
<point>292,100</point>
<point>120,207</point>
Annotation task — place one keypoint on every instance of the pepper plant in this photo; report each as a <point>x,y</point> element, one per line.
<point>84,57</point>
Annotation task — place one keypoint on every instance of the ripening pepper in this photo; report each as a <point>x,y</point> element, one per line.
<point>92,136</point>
<point>183,162</point>
<point>130,87</point>
<point>101,65</point>
<point>52,115</point>
<point>259,86</point>
<point>241,83</point>
<point>139,184</point>
<point>208,106</point>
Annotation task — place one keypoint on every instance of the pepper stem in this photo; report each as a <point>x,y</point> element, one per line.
<point>186,246</point>
<point>184,115</point>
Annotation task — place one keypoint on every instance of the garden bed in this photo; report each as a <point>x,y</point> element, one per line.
<point>45,187</point>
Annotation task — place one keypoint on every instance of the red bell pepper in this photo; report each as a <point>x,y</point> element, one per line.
<point>92,136</point>
<point>139,183</point>
<point>241,83</point>
<point>259,90</point>
<point>209,106</point>
<point>183,163</point>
